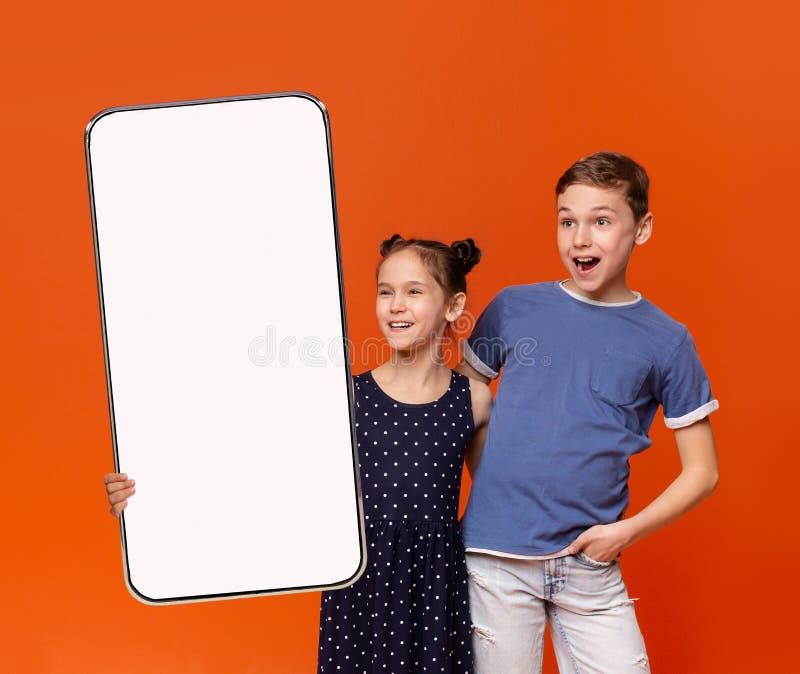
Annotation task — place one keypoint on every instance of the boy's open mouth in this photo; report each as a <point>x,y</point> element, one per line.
<point>400,325</point>
<point>585,264</point>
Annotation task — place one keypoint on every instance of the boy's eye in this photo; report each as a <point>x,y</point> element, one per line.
<point>602,221</point>
<point>383,292</point>
<point>566,223</point>
<point>414,291</point>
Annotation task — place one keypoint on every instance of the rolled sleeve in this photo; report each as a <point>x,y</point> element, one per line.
<point>485,349</point>
<point>686,392</point>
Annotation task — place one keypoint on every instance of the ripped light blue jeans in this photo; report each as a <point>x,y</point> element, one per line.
<point>592,619</point>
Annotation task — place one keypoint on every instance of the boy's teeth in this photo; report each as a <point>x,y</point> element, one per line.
<point>585,263</point>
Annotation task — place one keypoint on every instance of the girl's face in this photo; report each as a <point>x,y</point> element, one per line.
<point>411,307</point>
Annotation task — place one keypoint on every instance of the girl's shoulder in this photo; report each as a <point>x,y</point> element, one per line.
<point>480,398</point>
<point>362,379</point>
<point>460,381</point>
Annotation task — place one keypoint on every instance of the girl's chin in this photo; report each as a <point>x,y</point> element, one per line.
<point>409,346</point>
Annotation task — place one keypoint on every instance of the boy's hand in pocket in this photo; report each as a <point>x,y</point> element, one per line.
<point>602,542</point>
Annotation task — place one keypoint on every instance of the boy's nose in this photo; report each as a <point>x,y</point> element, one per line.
<point>582,236</point>
<point>398,302</point>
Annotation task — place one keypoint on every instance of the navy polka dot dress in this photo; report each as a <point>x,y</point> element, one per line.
<point>409,611</point>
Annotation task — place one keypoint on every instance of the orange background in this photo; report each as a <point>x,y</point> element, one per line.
<point>449,119</point>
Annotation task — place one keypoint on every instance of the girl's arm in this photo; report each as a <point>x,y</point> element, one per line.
<point>697,479</point>
<point>481,411</point>
<point>119,489</point>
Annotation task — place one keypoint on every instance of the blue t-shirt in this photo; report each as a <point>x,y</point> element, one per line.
<point>581,384</point>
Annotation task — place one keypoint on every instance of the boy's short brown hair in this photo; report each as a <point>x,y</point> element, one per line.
<point>610,170</point>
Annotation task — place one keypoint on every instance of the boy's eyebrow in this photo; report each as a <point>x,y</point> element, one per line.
<point>408,283</point>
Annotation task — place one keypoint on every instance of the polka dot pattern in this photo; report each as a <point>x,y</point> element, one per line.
<point>409,611</point>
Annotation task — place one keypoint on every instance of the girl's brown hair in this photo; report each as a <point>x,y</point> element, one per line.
<point>449,265</point>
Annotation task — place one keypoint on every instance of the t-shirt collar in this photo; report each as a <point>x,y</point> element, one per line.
<point>598,303</point>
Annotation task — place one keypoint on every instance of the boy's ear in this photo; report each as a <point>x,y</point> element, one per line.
<point>455,307</point>
<point>644,229</point>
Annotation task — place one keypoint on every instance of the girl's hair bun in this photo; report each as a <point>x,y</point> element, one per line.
<point>467,252</point>
<point>386,246</point>
<point>447,264</point>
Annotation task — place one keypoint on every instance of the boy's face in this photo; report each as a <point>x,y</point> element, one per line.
<point>596,234</point>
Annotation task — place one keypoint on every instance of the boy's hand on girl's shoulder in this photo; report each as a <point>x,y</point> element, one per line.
<point>602,542</point>
<point>119,489</point>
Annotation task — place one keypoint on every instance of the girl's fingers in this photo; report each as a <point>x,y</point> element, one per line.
<point>114,477</point>
<point>119,489</point>
<point>121,495</point>
<point>112,487</point>
<point>117,509</point>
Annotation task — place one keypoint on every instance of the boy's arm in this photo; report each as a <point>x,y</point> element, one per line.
<point>697,479</point>
<point>481,411</point>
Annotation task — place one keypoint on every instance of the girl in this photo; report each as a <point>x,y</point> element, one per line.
<point>416,421</point>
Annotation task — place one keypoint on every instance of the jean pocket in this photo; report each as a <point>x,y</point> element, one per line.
<point>618,377</point>
<point>584,559</point>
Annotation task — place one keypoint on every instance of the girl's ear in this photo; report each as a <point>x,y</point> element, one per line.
<point>455,307</point>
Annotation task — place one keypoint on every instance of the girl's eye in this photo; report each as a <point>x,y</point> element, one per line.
<point>383,292</point>
<point>414,291</point>
<point>602,221</point>
<point>566,223</point>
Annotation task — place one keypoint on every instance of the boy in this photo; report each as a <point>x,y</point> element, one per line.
<point>585,362</point>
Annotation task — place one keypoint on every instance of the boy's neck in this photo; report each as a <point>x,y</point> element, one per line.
<point>619,295</point>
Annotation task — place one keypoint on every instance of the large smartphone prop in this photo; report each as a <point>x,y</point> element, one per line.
<point>227,366</point>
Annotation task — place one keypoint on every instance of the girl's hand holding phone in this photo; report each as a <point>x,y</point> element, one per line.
<point>119,489</point>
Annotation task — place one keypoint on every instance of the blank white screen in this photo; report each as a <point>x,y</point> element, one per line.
<point>219,272</point>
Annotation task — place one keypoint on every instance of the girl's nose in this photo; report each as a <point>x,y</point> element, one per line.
<point>398,302</point>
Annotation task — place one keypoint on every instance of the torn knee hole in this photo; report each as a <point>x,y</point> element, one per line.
<point>479,578</point>
<point>484,633</point>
